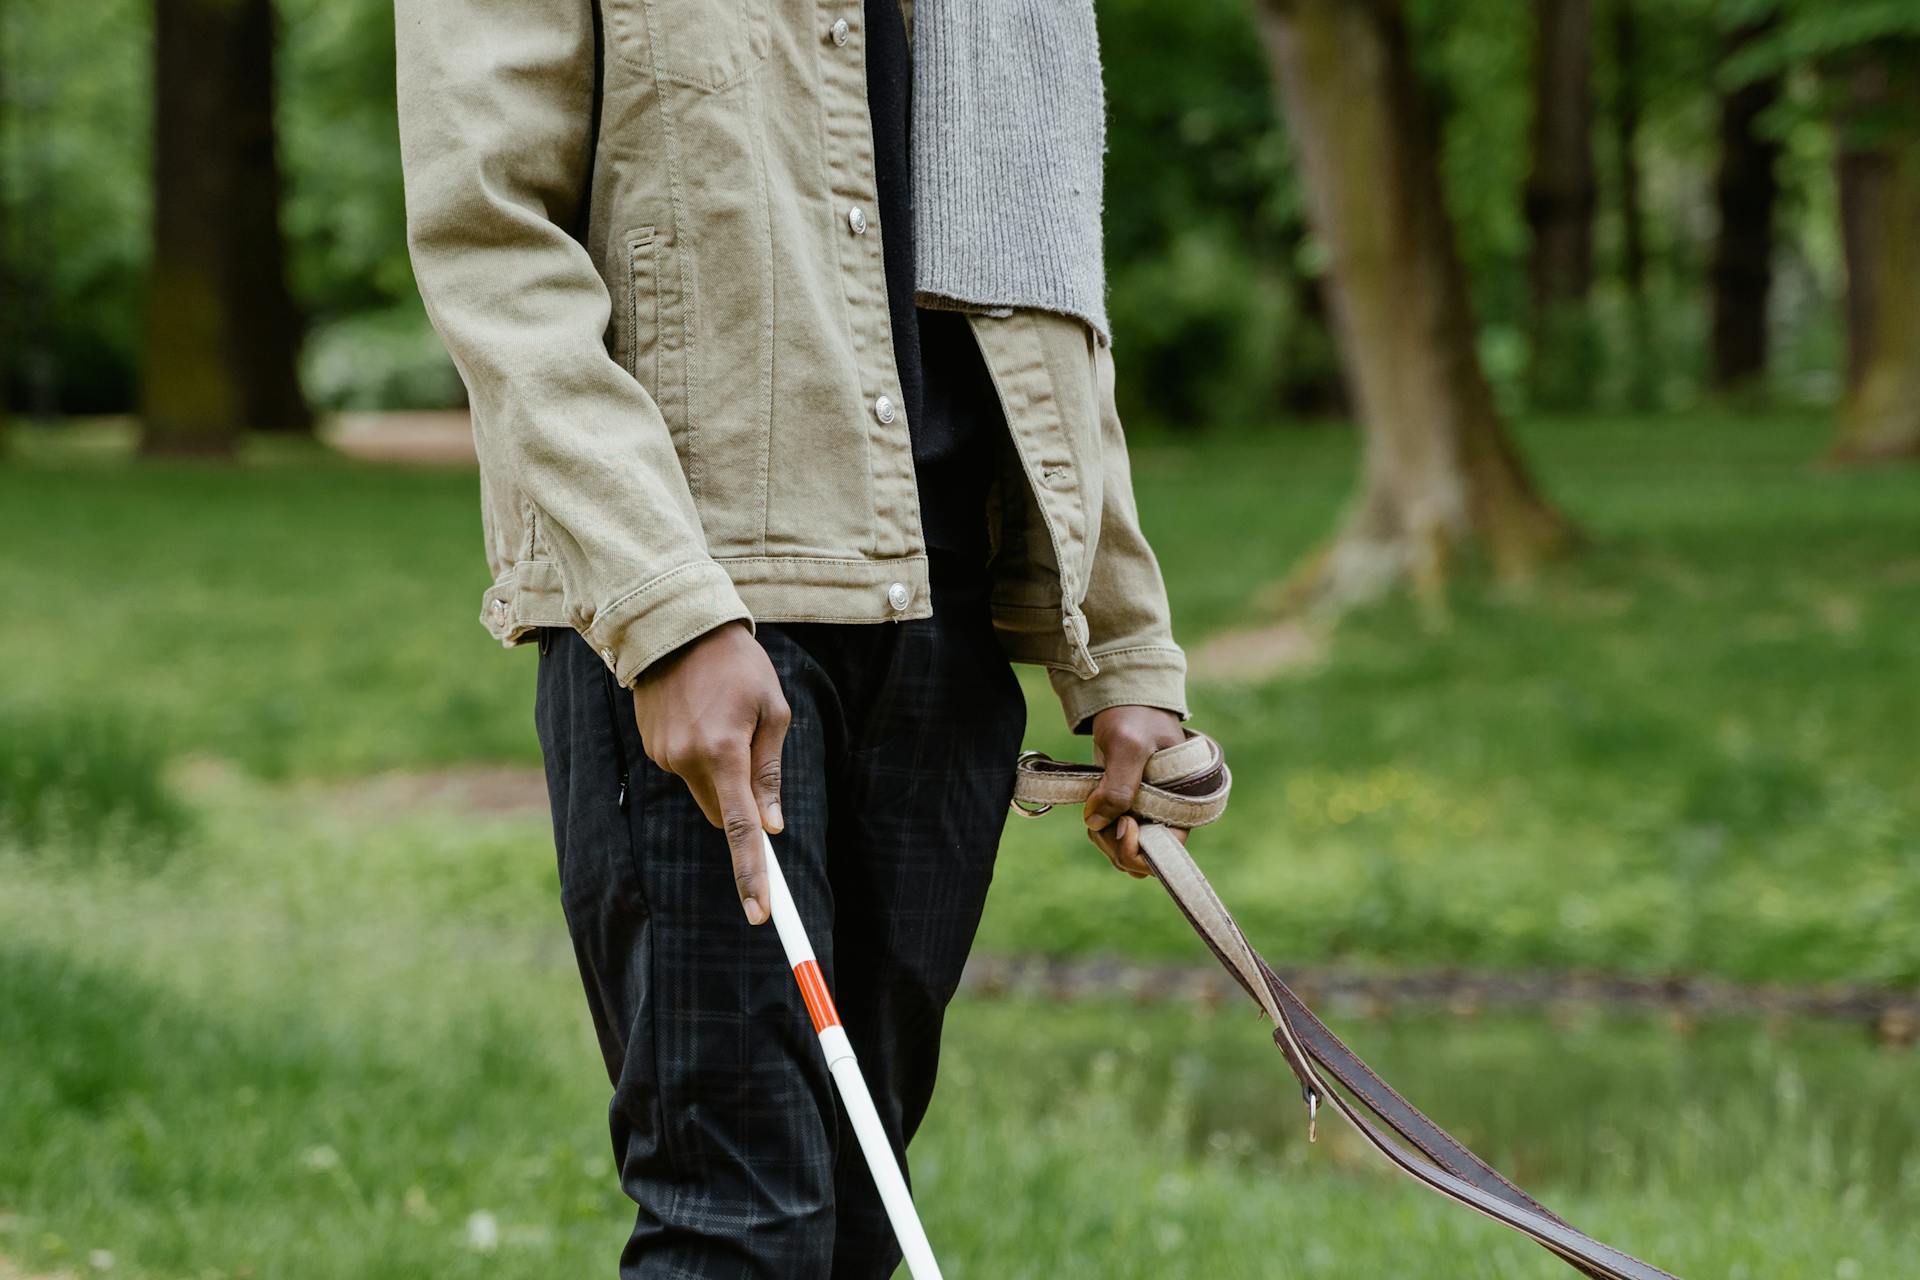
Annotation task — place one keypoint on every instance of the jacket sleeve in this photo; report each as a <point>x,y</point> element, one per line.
<point>1129,625</point>
<point>496,119</point>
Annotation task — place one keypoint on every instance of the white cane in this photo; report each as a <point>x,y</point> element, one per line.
<point>846,1076</point>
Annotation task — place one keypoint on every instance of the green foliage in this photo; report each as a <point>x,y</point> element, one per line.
<point>1205,225</point>
<point>85,786</point>
<point>76,193</point>
<point>73,179</point>
<point>1211,266</point>
<point>1807,32</point>
<point>376,359</point>
<point>345,212</point>
<point>1474,60</point>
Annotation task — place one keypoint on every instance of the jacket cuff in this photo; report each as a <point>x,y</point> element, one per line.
<point>1143,676</point>
<point>654,619</point>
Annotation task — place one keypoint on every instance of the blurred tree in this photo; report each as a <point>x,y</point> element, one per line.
<point>220,336</point>
<point>266,342</point>
<point>1212,286</point>
<point>190,397</point>
<point>1879,178</point>
<point>1628,106</point>
<point>1868,57</point>
<point>1746,190</point>
<point>1440,475</point>
<point>1561,199</point>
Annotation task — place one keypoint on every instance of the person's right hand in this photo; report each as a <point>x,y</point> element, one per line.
<point>712,713</point>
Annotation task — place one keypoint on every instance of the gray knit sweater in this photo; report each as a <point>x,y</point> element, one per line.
<point>1009,134</point>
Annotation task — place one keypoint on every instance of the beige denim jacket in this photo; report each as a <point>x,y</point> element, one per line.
<point>646,231</point>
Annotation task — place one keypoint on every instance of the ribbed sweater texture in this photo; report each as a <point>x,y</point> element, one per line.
<point>1009,140</point>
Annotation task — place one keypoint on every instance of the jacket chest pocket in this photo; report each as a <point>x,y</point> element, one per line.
<point>707,45</point>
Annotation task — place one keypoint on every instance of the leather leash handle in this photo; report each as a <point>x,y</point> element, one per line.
<point>1186,786</point>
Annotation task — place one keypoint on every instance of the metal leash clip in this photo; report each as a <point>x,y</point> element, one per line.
<point>1312,1097</point>
<point>1019,807</point>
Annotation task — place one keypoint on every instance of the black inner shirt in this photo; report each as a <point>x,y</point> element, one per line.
<point>952,409</point>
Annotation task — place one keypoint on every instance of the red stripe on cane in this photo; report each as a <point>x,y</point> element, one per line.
<point>813,989</point>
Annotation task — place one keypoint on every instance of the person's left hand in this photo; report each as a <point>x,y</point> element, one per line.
<point>1123,738</point>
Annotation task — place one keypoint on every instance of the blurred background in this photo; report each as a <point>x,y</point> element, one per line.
<point>1525,398</point>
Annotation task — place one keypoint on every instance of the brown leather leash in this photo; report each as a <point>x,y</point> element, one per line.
<point>1186,786</point>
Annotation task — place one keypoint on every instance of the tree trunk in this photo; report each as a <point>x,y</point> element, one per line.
<point>191,399</point>
<point>220,334</point>
<point>267,341</point>
<point>1745,193</point>
<point>1879,162</point>
<point>1630,192</point>
<point>1561,197</point>
<point>1440,476</point>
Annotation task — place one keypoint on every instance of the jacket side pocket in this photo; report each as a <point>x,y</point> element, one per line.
<point>643,309</point>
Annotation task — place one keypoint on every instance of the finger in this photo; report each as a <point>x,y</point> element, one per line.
<point>1132,861</point>
<point>1119,783</point>
<point>768,736</point>
<point>1108,844</point>
<point>701,789</point>
<point>740,821</point>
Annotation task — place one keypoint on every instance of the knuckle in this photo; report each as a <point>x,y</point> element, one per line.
<point>716,744</point>
<point>738,826</point>
<point>768,773</point>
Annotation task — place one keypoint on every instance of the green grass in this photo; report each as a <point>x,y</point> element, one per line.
<point>260,1020</point>
<point>303,615</point>
<point>1689,751</point>
<point>333,1036</point>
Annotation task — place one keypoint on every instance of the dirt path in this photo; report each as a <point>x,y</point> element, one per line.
<point>1892,1016</point>
<point>490,790</point>
<point>1256,654</point>
<point>441,438</point>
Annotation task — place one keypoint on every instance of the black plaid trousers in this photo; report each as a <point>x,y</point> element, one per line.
<point>896,774</point>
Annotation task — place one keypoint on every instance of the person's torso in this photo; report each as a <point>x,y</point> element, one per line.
<point>733,216</point>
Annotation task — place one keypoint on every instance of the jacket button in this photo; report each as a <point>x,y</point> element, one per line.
<point>857,219</point>
<point>899,597</point>
<point>883,409</point>
<point>839,31</point>
<point>500,608</point>
<point>606,656</point>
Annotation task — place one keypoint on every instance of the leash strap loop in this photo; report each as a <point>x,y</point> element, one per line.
<point>1186,786</point>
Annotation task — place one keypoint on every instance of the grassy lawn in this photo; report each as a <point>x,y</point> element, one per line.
<point>1691,751</point>
<point>335,1040</point>
<point>260,1019</point>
